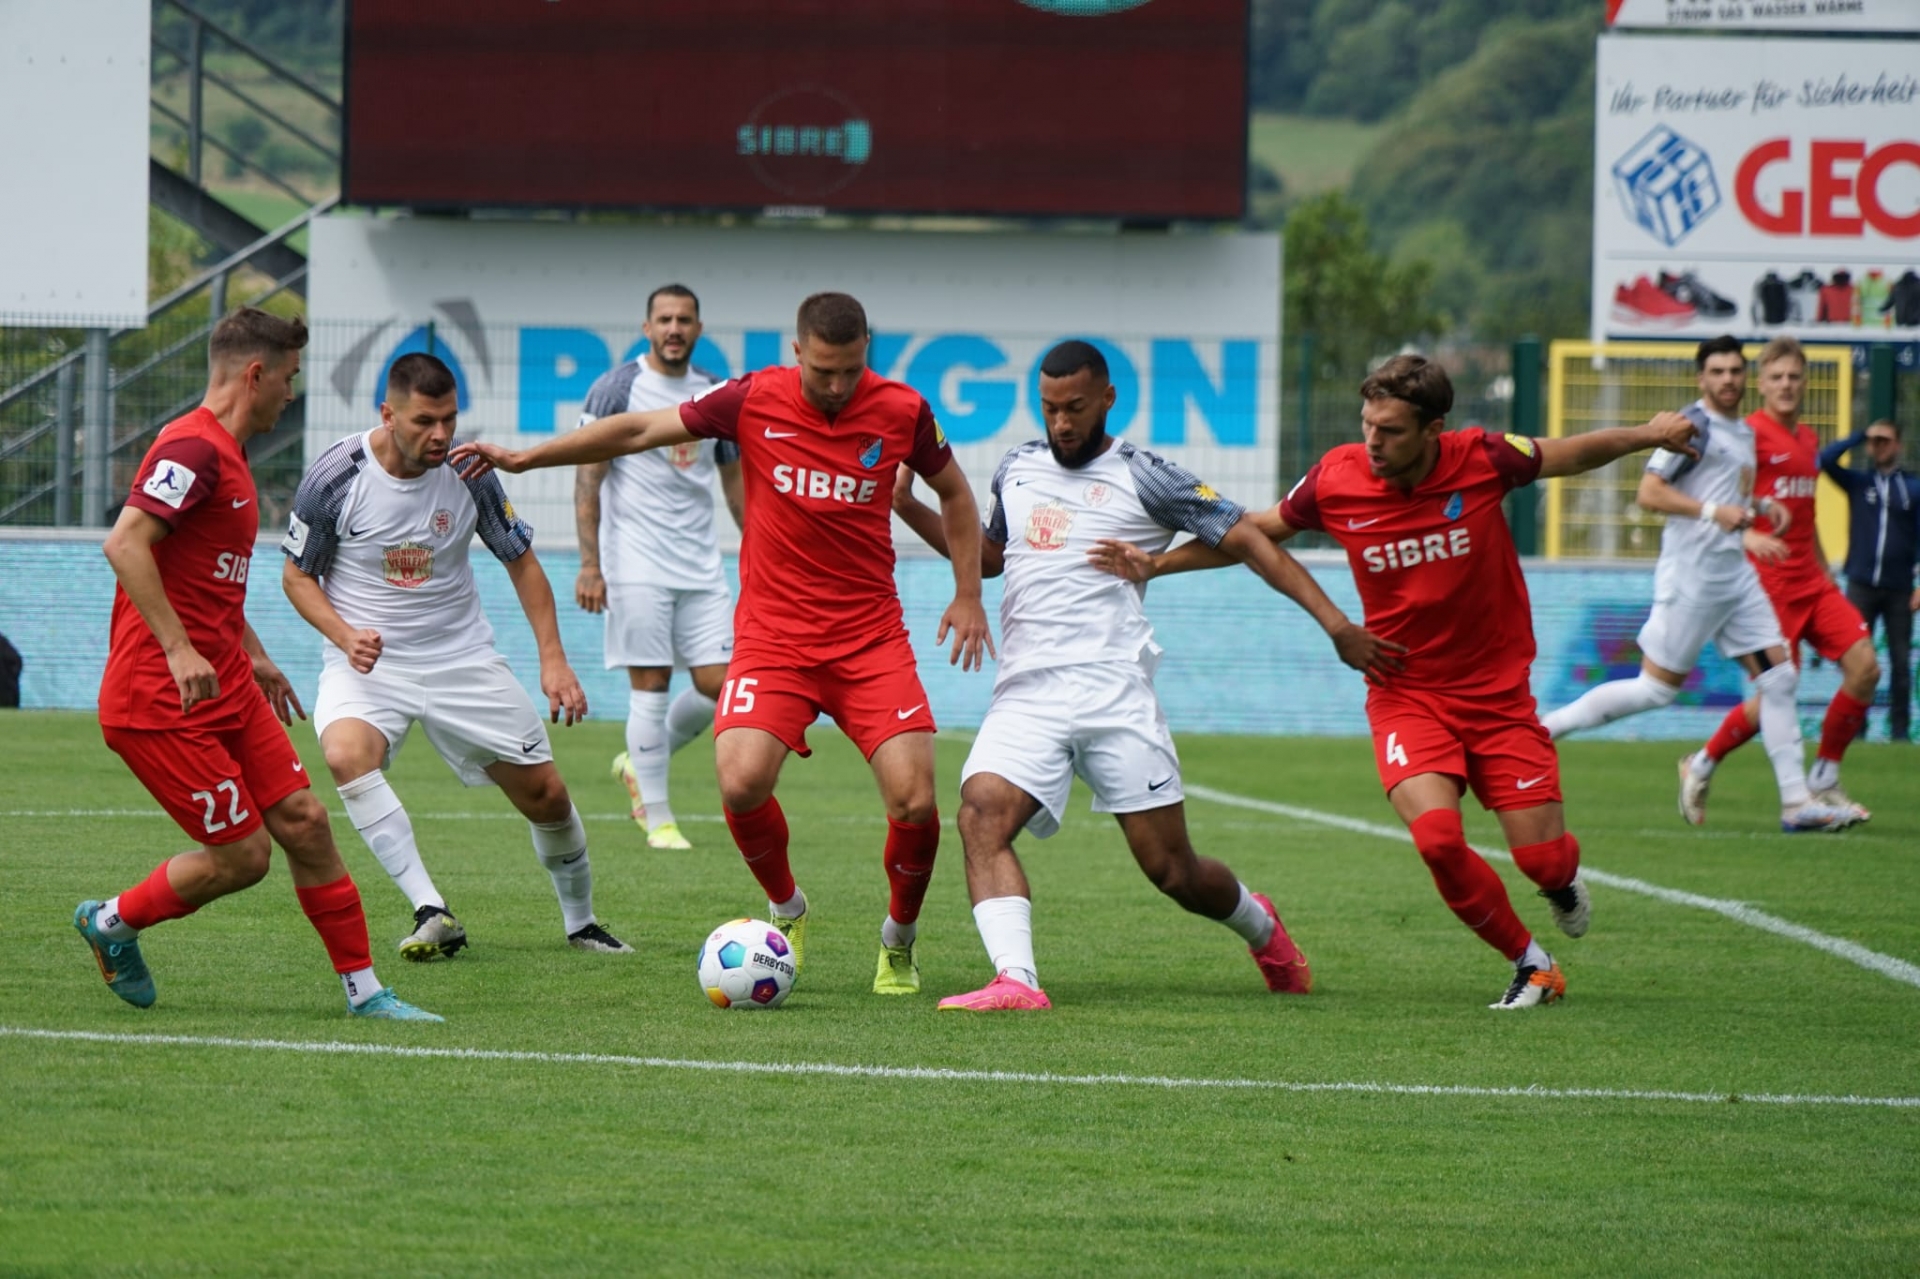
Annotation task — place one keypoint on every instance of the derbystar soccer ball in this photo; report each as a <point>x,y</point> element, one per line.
<point>746,963</point>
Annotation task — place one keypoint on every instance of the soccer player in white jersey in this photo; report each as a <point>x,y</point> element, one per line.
<point>377,562</point>
<point>1704,588</point>
<point>1074,694</point>
<point>650,562</point>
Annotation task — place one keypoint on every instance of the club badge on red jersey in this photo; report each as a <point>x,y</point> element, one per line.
<point>870,449</point>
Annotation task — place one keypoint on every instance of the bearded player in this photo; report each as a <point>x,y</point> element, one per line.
<point>1793,572</point>
<point>1418,510</point>
<point>189,697</point>
<point>818,627</point>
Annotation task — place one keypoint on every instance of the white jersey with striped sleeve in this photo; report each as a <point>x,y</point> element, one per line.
<point>1057,608</point>
<point>656,508</point>
<point>1699,559</point>
<point>392,554</point>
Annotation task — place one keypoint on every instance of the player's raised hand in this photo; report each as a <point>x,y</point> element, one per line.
<point>476,458</point>
<point>564,694</point>
<point>364,650</point>
<point>967,619</point>
<point>1122,559</point>
<point>193,675</point>
<point>1376,658</point>
<point>1770,550</point>
<point>1674,432</point>
<point>279,690</point>
<point>590,590</point>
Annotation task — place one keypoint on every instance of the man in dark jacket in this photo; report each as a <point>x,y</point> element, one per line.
<point>1883,533</point>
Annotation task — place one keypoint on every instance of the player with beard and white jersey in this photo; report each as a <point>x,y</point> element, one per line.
<point>377,562</point>
<point>1704,588</point>
<point>650,561</point>
<point>1074,694</point>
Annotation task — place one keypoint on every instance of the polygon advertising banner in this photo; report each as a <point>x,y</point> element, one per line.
<point>1809,17</point>
<point>1757,186</point>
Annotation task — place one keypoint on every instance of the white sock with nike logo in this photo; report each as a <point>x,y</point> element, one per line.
<point>562,848</point>
<point>377,814</point>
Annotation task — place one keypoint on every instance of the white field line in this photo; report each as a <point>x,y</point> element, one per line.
<point>938,1074</point>
<point>1740,912</point>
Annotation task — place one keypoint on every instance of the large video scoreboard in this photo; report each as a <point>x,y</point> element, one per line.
<point>1135,109</point>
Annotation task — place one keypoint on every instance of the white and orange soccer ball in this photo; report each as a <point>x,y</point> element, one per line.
<point>746,963</point>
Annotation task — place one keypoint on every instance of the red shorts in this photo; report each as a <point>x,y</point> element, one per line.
<point>1826,621</point>
<point>1493,743</point>
<point>872,694</point>
<point>215,781</point>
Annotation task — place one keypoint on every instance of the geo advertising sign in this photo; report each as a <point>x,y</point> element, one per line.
<point>1757,186</point>
<point>529,314</point>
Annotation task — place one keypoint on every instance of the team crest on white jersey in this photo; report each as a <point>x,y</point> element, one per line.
<point>1048,525</point>
<point>684,455</point>
<point>442,522</point>
<point>1097,493</point>
<point>408,565</point>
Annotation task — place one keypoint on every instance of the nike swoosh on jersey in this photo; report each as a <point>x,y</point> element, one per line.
<point>239,502</point>
<point>1530,783</point>
<point>1777,458</point>
<point>1365,523</point>
<point>780,435</point>
<point>908,713</point>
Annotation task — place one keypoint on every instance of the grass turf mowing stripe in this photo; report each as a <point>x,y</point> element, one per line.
<point>940,1074</point>
<point>1740,912</point>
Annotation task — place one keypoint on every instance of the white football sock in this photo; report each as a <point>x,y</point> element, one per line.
<point>648,752</point>
<point>1702,764</point>
<point>377,814</point>
<point>894,933</point>
<point>360,985</point>
<point>1608,702</point>
<point>792,908</point>
<point>1251,922</point>
<point>1006,927</point>
<point>1535,957</point>
<point>562,848</point>
<point>1824,775</point>
<point>688,717</point>
<point>107,922</point>
<point>1780,732</point>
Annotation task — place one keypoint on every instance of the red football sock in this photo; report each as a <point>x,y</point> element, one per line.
<point>1735,731</point>
<point>1845,717</point>
<point>1552,864</point>
<point>1467,884</point>
<point>909,857</point>
<point>153,901</point>
<point>761,837</point>
<point>336,914</point>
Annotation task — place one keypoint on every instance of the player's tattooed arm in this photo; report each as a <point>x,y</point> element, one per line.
<point>926,523</point>
<point>277,687</point>
<point>615,435</point>
<point>966,617</point>
<point>1577,454</point>
<point>129,549</point>
<point>1358,647</point>
<point>557,680</point>
<point>590,588</point>
<point>309,599</point>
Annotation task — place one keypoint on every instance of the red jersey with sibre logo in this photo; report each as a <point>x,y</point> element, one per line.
<point>196,480</point>
<point>1787,469</point>
<point>1435,566</point>
<point>816,556</point>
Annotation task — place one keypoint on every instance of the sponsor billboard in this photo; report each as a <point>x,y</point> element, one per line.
<point>1806,16</point>
<point>529,314</point>
<point>1053,108</point>
<point>1757,186</point>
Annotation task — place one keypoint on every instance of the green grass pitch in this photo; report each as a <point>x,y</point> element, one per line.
<point>203,1157</point>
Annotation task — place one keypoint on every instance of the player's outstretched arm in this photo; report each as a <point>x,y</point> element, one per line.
<point>309,599</point>
<point>1577,454</point>
<point>1657,495</point>
<point>1359,648</point>
<point>272,681</point>
<point>557,679</point>
<point>615,435</point>
<point>129,548</point>
<point>1124,559</point>
<point>926,524</point>
<point>966,617</point>
<point>590,588</point>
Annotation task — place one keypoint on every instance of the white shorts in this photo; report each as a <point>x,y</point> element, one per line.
<point>475,714</point>
<point>660,626</point>
<point>1100,722</point>
<point>1679,627</point>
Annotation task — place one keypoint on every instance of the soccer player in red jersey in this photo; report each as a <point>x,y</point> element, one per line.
<point>818,626</point>
<point>189,697</point>
<point>1418,510</point>
<point>1793,570</point>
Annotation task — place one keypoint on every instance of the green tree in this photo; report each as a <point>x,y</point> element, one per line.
<point>1355,302</point>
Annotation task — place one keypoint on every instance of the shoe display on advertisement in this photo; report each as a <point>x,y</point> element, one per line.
<point>1642,305</point>
<point>1687,290</point>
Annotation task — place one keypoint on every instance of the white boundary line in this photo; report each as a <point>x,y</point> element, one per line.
<point>944,1075</point>
<point>1740,912</point>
